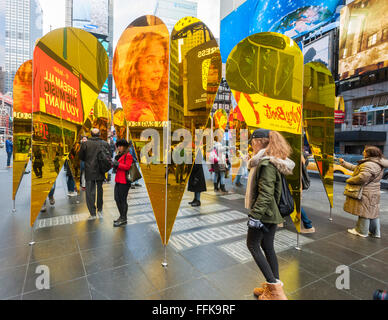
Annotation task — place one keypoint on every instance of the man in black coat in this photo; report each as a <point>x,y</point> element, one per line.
<point>93,176</point>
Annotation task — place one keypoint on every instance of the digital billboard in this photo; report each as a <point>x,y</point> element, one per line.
<point>91,15</point>
<point>293,18</point>
<point>363,37</point>
<point>318,51</point>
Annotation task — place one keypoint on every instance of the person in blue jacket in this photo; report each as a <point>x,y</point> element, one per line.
<point>9,150</point>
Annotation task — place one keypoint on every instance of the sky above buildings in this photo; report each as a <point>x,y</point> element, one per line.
<point>125,11</point>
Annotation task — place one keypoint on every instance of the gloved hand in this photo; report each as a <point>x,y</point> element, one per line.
<point>256,224</point>
<point>115,164</point>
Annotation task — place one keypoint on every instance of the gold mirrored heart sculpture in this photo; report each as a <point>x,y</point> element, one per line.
<point>318,121</point>
<point>166,88</point>
<point>22,123</point>
<point>265,74</point>
<point>70,67</point>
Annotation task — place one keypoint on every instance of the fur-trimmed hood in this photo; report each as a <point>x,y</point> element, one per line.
<point>284,166</point>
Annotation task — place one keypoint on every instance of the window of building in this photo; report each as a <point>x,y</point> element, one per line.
<point>370,118</point>
<point>372,40</point>
<point>380,117</point>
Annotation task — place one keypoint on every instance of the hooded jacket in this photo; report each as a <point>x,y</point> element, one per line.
<point>264,186</point>
<point>367,173</point>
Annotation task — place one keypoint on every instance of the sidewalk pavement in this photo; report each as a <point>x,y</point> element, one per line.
<point>207,256</point>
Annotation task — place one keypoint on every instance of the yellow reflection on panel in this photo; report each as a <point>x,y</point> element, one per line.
<point>140,70</point>
<point>120,124</point>
<point>22,122</point>
<point>195,75</point>
<point>265,73</point>
<point>239,161</point>
<point>318,120</point>
<point>70,67</point>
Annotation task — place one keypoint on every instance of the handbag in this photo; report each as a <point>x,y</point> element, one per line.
<point>133,174</point>
<point>354,191</point>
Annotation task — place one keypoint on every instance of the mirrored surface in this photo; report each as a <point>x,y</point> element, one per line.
<point>265,74</point>
<point>22,122</point>
<point>70,67</point>
<point>318,120</point>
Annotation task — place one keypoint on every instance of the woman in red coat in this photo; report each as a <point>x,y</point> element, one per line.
<point>122,164</point>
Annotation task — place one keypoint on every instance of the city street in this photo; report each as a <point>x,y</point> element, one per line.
<point>207,256</point>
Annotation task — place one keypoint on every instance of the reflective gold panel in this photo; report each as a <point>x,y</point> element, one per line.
<point>70,67</point>
<point>22,122</point>
<point>140,70</point>
<point>120,124</point>
<point>318,120</point>
<point>195,75</point>
<point>265,74</point>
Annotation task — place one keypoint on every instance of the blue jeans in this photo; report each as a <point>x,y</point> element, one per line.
<point>306,221</point>
<point>197,196</point>
<point>9,156</point>
<point>238,179</point>
<point>51,193</point>
<point>365,225</point>
<point>220,175</point>
<point>70,184</point>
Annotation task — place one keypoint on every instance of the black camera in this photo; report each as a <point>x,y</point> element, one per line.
<point>380,295</point>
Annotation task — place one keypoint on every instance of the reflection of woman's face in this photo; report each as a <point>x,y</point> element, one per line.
<point>151,67</point>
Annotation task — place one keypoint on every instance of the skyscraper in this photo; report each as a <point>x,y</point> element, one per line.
<point>170,11</point>
<point>23,26</point>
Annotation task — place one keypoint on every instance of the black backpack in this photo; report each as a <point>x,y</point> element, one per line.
<point>104,159</point>
<point>286,202</point>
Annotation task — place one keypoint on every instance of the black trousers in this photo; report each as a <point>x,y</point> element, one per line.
<point>268,264</point>
<point>121,195</point>
<point>91,195</point>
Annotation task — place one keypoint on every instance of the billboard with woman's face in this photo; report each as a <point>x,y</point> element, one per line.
<point>140,70</point>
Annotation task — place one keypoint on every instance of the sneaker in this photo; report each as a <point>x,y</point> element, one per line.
<point>355,232</point>
<point>196,203</point>
<point>92,217</point>
<point>72,194</point>
<point>374,236</point>
<point>52,201</point>
<point>119,222</point>
<point>44,208</point>
<point>306,230</point>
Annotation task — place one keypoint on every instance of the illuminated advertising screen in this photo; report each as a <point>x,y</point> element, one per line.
<point>293,18</point>
<point>363,37</point>
<point>91,15</point>
<point>58,92</point>
<point>318,51</point>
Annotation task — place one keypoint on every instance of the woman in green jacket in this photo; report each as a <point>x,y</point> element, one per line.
<point>263,193</point>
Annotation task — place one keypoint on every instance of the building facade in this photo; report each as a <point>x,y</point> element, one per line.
<point>23,27</point>
<point>170,11</point>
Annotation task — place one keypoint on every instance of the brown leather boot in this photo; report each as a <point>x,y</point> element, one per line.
<point>259,291</point>
<point>273,291</point>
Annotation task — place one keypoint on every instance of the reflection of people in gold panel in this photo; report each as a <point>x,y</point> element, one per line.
<point>144,80</point>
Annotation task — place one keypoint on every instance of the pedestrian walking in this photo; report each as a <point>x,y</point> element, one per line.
<point>218,165</point>
<point>37,162</point>
<point>122,163</point>
<point>94,176</point>
<point>70,181</point>
<point>242,170</point>
<point>9,150</point>
<point>307,225</point>
<point>197,182</point>
<point>264,189</point>
<point>363,191</point>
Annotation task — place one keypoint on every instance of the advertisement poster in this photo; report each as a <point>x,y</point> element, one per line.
<point>58,89</point>
<point>293,18</point>
<point>363,37</point>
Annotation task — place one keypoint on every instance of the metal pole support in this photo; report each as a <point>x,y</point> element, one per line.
<point>297,242</point>
<point>330,216</point>
<point>13,206</point>
<point>164,262</point>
